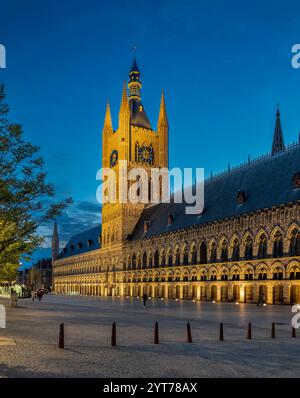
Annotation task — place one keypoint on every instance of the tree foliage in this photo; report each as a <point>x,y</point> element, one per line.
<point>26,198</point>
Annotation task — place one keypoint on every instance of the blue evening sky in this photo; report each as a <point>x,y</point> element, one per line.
<point>223,66</point>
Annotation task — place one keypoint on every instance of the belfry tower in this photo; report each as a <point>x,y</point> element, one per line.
<point>137,144</point>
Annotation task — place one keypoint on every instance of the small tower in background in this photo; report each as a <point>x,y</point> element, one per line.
<point>278,142</point>
<point>55,243</point>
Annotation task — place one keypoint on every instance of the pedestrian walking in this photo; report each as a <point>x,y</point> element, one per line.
<point>145,298</point>
<point>40,294</point>
<point>33,295</point>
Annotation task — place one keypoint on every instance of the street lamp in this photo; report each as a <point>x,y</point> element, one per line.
<point>23,273</point>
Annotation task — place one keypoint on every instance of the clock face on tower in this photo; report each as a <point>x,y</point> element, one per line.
<point>113,158</point>
<point>146,154</point>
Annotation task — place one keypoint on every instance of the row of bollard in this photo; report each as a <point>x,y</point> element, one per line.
<point>61,342</point>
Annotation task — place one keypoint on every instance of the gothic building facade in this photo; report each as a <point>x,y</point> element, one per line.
<point>243,247</point>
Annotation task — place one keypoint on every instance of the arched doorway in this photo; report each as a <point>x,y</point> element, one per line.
<point>236,293</point>
<point>262,293</point>
<point>213,292</point>
<point>178,292</point>
<point>185,292</point>
<point>249,294</point>
<point>194,292</point>
<point>295,294</point>
<point>224,293</point>
<point>278,295</point>
<point>157,291</point>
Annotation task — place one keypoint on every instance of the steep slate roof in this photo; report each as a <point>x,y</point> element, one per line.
<point>267,182</point>
<point>139,117</point>
<point>83,238</point>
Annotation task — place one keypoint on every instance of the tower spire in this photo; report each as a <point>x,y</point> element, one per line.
<point>55,242</point>
<point>134,83</point>
<point>163,133</point>
<point>278,142</point>
<point>107,118</point>
<point>162,118</point>
<point>124,108</point>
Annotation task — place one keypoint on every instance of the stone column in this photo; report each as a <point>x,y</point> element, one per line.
<point>286,293</point>
<point>199,292</point>
<point>218,292</point>
<point>181,292</point>
<point>269,298</point>
<point>230,292</point>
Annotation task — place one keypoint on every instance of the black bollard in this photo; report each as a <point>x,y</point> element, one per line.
<point>156,338</point>
<point>293,332</point>
<point>61,341</point>
<point>113,335</point>
<point>249,333</point>
<point>189,333</point>
<point>273,330</point>
<point>221,337</point>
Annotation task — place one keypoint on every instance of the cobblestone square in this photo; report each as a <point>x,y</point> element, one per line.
<point>29,345</point>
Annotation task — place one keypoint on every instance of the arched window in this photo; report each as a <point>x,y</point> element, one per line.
<point>262,247</point>
<point>213,253</point>
<point>185,256</point>
<point>136,152</point>
<point>163,259</point>
<point>249,248</point>
<point>156,259</point>
<point>170,258</point>
<point>203,253</point>
<point>177,257</point>
<point>236,250</point>
<point>194,255</point>
<point>295,243</point>
<point>144,260</point>
<point>150,261</point>
<point>278,245</point>
<point>278,274</point>
<point>133,262</point>
<point>139,262</point>
<point>224,251</point>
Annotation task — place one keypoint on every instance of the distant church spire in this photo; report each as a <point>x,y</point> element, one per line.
<point>55,242</point>
<point>278,142</point>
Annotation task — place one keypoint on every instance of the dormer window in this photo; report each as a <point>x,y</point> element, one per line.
<point>146,225</point>
<point>241,197</point>
<point>90,242</point>
<point>170,219</point>
<point>80,245</point>
<point>72,247</point>
<point>296,180</point>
